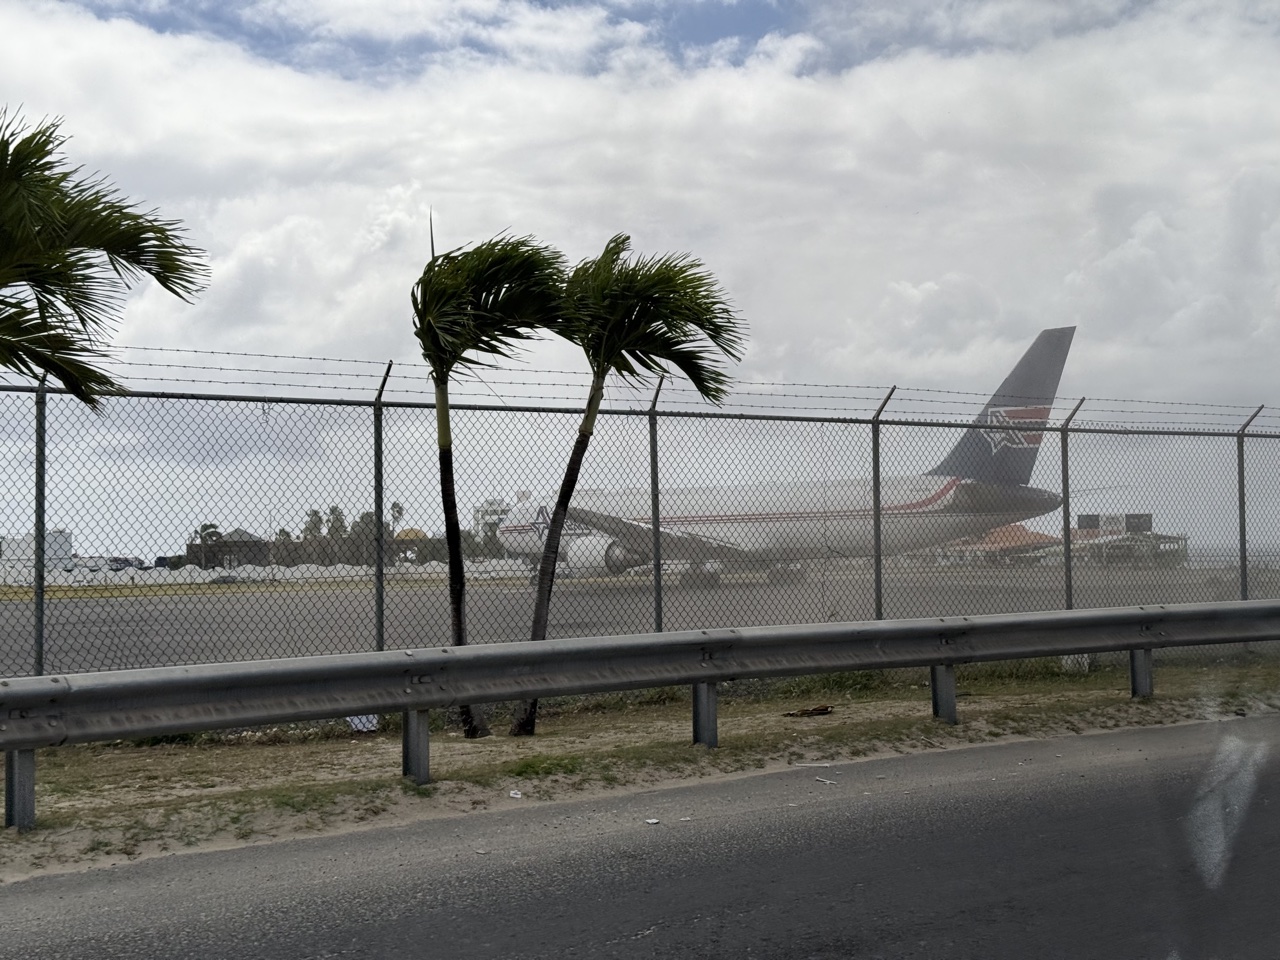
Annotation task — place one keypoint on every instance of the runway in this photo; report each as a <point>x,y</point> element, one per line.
<point>205,623</point>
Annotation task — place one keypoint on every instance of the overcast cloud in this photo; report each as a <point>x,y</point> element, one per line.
<point>890,191</point>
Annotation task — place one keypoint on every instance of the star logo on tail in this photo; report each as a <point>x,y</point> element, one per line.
<point>541,523</point>
<point>1019,428</point>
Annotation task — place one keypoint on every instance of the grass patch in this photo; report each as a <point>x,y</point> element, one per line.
<point>543,766</point>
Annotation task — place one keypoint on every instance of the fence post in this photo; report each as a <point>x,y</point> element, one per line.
<point>20,765</point>
<point>37,565</point>
<point>705,730</point>
<point>379,537</point>
<point>877,552</point>
<point>1066,505</point>
<point>655,513</point>
<point>1244,542</point>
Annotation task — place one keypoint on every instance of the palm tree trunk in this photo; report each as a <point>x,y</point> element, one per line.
<point>473,722</point>
<point>526,718</point>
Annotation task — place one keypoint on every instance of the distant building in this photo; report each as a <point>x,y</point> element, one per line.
<point>1125,538</point>
<point>1010,544</point>
<point>487,517</point>
<point>233,549</point>
<point>1114,524</point>
<point>416,545</point>
<point>58,549</point>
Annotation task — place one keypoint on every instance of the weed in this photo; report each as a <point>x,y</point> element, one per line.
<point>96,845</point>
<point>543,766</point>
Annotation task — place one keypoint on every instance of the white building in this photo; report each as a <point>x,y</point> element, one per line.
<point>487,517</point>
<point>57,548</point>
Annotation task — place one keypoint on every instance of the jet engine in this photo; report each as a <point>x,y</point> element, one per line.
<point>593,556</point>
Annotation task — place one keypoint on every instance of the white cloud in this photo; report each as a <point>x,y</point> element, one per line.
<point>894,215</point>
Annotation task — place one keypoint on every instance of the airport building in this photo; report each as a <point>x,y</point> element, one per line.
<point>1126,538</point>
<point>487,517</point>
<point>58,549</point>
<point>233,549</point>
<point>1101,538</point>
<point>1010,544</point>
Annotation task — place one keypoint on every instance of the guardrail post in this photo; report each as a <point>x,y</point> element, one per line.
<point>416,747</point>
<point>705,729</point>
<point>1141,678</point>
<point>20,789</point>
<point>877,552</point>
<point>942,681</point>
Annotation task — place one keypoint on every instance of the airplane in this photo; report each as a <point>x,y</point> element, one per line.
<point>981,484</point>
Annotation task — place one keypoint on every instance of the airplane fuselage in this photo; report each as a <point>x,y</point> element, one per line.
<point>785,522</point>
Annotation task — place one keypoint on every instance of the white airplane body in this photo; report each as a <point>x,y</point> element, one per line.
<point>982,484</point>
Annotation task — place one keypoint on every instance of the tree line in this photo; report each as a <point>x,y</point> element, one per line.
<point>325,539</point>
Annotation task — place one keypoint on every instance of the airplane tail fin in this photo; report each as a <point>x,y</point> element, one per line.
<point>1001,445</point>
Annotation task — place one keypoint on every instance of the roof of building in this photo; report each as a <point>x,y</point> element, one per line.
<point>1011,537</point>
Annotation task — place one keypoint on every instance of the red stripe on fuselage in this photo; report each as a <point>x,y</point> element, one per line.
<point>701,519</point>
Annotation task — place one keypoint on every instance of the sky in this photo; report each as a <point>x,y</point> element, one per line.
<point>890,192</point>
<point>893,192</point>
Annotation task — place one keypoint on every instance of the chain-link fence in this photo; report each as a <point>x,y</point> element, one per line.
<point>170,529</point>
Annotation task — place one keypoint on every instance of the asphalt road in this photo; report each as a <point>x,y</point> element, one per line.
<point>212,623</point>
<point>1143,845</point>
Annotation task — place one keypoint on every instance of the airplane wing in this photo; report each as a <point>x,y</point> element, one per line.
<point>637,538</point>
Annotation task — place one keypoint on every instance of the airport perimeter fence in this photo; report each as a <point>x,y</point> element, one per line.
<point>173,529</point>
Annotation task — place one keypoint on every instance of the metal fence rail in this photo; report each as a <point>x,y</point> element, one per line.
<point>54,710</point>
<point>324,512</point>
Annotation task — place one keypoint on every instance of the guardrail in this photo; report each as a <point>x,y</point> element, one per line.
<point>53,710</point>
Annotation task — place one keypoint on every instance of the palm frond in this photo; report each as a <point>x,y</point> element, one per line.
<point>30,346</point>
<point>472,306</point>
<point>70,249</point>
<point>648,315</point>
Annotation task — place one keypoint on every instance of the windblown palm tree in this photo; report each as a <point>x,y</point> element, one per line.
<point>70,249</point>
<point>635,317</point>
<point>471,306</point>
<point>204,535</point>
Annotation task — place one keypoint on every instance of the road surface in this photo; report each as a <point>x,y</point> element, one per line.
<point>1148,844</point>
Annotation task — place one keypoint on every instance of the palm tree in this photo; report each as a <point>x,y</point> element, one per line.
<point>470,306</point>
<point>313,526</point>
<point>634,316</point>
<point>70,249</point>
<point>204,535</point>
<point>336,524</point>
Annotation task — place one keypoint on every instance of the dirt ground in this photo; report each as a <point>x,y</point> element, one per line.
<point>103,804</point>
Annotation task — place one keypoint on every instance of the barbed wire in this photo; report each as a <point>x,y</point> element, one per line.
<point>184,368</point>
<point>742,386</point>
